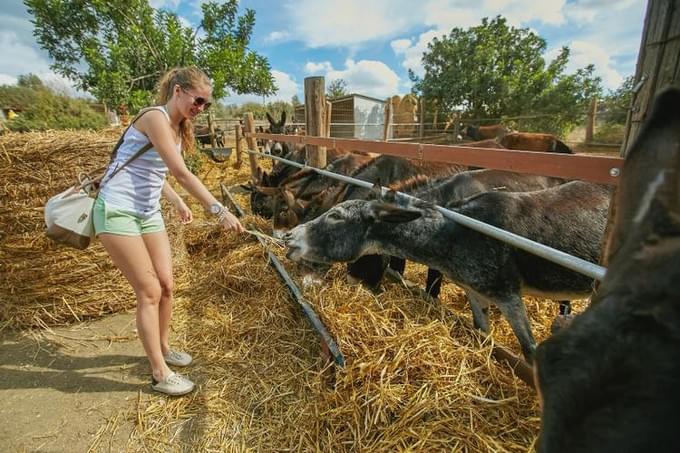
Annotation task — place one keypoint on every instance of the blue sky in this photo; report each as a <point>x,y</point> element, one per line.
<point>372,44</point>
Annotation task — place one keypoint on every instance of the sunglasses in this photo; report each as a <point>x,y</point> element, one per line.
<point>199,101</point>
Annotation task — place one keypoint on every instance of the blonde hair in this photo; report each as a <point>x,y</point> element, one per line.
<point>188,77</point>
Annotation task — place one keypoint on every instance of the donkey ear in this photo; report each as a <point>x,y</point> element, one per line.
<point>390,213</point>
<point>390,196</point>
<point>376,190</point>
<point>270,119</point>
<point>288,197</point>
<point>651,172</point>
<point>244,188</point>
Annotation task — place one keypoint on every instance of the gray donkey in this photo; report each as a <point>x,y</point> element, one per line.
<point>569,217</point>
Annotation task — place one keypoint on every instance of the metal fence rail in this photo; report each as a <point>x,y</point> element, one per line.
<point>556,256</point>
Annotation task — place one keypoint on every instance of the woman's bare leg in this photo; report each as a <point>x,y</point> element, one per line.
<point>130,255</point>
<point>158,246</point>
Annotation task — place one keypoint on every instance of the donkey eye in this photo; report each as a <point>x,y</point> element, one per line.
<point>334,216</point>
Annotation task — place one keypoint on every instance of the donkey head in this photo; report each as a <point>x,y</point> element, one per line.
<point>343,233</point>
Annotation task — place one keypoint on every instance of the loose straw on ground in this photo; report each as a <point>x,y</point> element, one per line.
<point>417,376</point>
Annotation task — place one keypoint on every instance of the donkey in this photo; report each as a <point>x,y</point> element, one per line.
<point>452,190</point>
<point>610,382</point>
<point>570,217</point>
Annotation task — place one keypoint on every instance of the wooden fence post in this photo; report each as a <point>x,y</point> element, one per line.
<point>657,67</point>
<point>211,130</point>
<point>327,125</point>
<point>315,104</point>
<point>237,133</point>
<point>590,122</point>
<point>421,112</point>
<point>388,119</point>
<point>250,127</point>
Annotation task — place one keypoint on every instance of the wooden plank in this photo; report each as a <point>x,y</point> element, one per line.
<point>598,169</point>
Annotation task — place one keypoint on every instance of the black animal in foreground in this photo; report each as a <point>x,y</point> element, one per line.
<point>610,382</point>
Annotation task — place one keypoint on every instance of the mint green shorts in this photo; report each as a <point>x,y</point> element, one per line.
<point>124,223</point>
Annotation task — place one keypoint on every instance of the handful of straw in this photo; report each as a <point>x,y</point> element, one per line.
<point>266,239</point>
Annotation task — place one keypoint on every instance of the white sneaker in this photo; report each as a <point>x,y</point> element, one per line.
<point>173,384</point>
<point>177,358</point>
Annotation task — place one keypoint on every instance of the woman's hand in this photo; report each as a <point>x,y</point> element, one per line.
<point>185,215</point>
<point>230,222</point>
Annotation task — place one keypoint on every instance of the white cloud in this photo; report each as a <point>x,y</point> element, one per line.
<point>164,4</point>
<point>413,53</point>
<point>22,59</point>
<point>316,68</point>
<point>584,53</point>
<point>7,79</point>
<point>400,45</point>
<point>277,36</point>
<point>321,23</point>
<point>367,77</point>
<point>601,41</point>
<point>287,88</point>
<point>590,10</point>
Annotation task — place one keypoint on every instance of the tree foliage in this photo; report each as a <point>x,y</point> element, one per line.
<point>493,70</point>
<point>258,110</point>
<point>117,49</point>
<point>39,108</point>
<point>337,88</point>
<point>617,102</point>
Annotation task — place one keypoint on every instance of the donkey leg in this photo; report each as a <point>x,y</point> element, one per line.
<point>480,310</point>
<point>565,307</point>
<point>512,308</point>
<point>398,264</point>
<point>433,286</point>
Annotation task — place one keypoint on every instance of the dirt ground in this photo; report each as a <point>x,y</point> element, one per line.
<point>60,387</point>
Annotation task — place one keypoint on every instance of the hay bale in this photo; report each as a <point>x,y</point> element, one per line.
<point>43,284</point>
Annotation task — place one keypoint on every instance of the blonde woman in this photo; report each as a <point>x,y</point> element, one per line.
<point>128,221</point>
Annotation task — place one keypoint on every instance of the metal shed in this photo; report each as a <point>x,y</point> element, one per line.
<point>353,116</point>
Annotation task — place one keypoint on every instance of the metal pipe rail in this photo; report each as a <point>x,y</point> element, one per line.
<point>556,256</point>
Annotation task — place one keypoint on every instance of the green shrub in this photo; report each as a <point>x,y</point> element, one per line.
<point>39,108</point>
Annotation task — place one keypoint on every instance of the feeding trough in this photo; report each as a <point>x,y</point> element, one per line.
<point>219,155</point>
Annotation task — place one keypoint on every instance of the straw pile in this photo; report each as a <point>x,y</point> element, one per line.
<point>417,376</point>
<point>43,284</point>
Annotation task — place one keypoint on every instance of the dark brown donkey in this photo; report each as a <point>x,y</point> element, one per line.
<point>610,382</point>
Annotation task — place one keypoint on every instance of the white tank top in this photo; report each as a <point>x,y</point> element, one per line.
<point>137,187</point>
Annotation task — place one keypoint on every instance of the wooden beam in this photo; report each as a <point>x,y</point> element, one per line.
<point>388,119</point>
<point>598,169</point>
<point>315,104</point>
<point>327,120</point>
<point>590,120</point>
<point>421,114</point>
<point>238,135</point>
<point>250,130</point>
<point>211,130</point>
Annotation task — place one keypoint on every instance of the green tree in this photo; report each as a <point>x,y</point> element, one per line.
<point>39,108</point>
<point>617,102</point>
<point>295,100</point>
<point>337,88</point>
<point>493,70</point>
<point>117,49</point>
